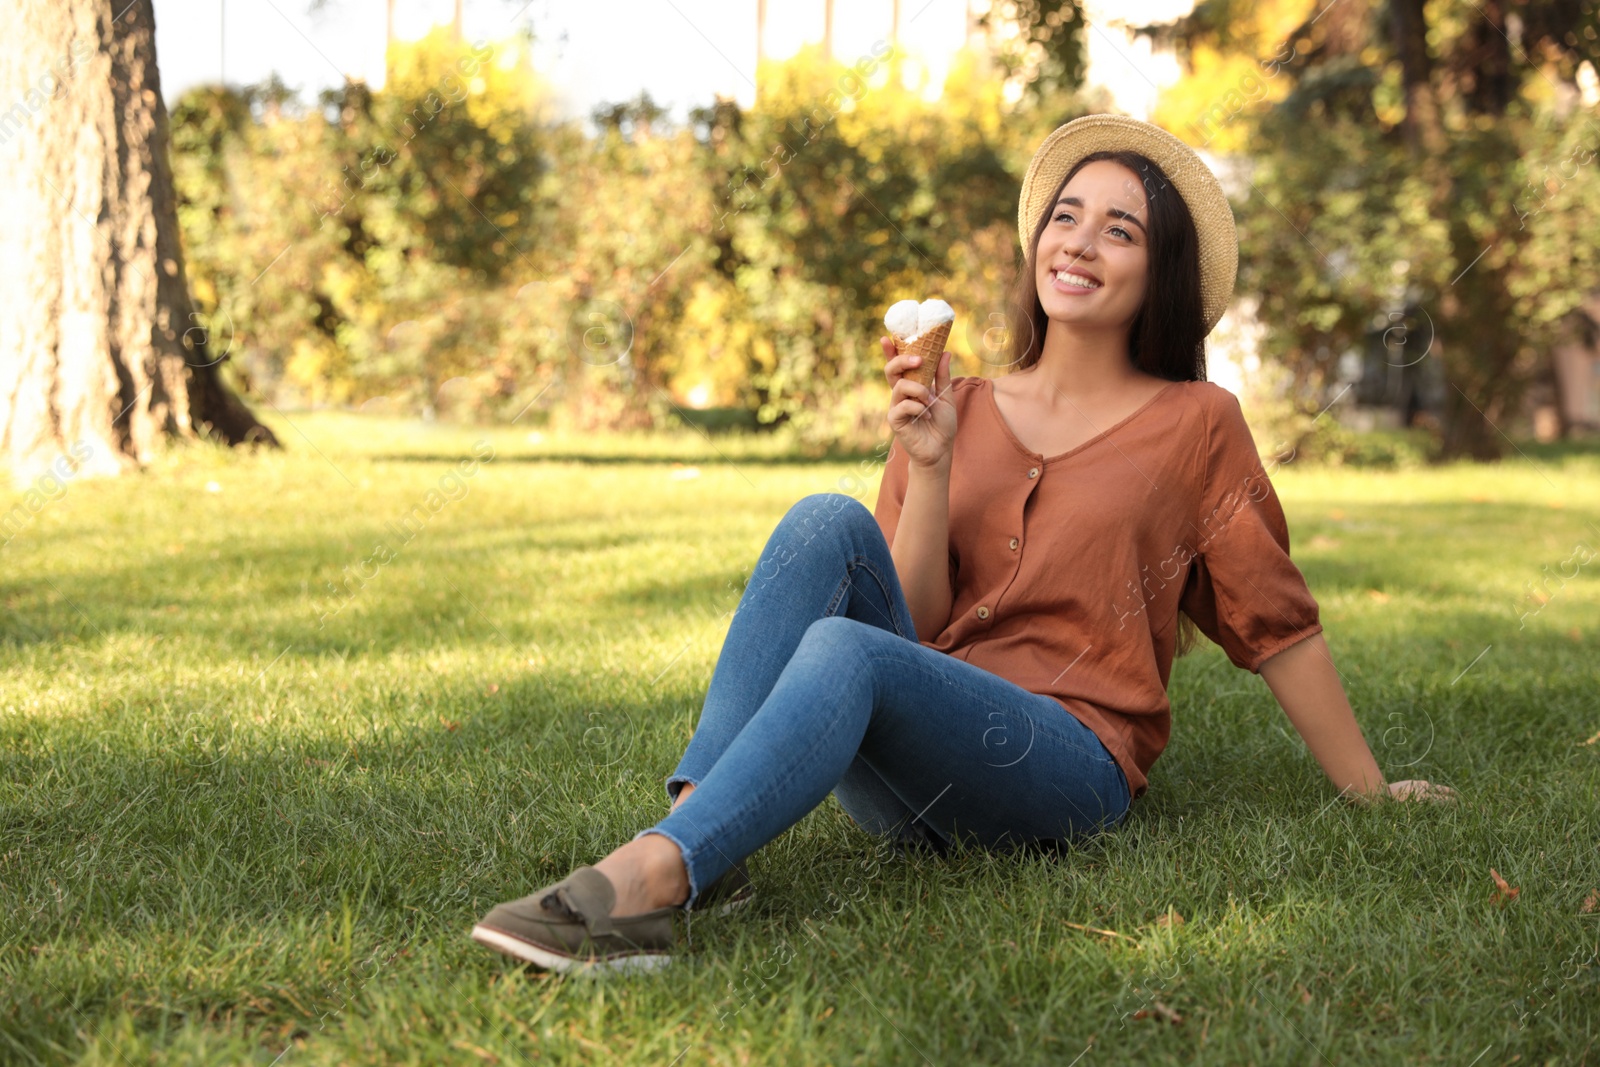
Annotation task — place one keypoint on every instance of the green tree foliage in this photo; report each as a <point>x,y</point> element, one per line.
<point>369,246</point>
<point>841,192</point>
<point>1426,168</point>
<point>1047,57</point>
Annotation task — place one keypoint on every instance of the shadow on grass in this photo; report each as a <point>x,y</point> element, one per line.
<point>478,583</point>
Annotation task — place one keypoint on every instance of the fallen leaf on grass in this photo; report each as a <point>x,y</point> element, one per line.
<point>1159,1010</point>
<point>448,725</point>
<point>1593,739</point>
<point>1503,893</point>
<point>1379,595</point>
<point>1097,930</point>
<point>1590,902</point>
<point>1171,918</point>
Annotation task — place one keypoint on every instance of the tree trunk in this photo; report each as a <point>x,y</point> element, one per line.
<point>101,354</point>
<point>1421,122</point>
<point>1475,329</point>
<point>388,44</point>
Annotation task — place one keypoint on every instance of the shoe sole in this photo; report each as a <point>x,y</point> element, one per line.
<point>642,962</point>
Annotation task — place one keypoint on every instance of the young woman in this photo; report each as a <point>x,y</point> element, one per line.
<point>987,656</point>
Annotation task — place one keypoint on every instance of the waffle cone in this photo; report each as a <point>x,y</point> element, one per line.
<point>930,346</point>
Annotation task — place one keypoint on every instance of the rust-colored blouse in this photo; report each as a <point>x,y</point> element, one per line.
<point>1068,571</point>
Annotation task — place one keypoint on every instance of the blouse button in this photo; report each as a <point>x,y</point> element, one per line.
<point>983,612</point>
<point>1013,544</point>
<point>1033,472</point>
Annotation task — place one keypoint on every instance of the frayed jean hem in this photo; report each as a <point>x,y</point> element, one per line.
<point>681,780</point>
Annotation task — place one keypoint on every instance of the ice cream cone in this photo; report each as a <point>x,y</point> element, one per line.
<point>930,346</point>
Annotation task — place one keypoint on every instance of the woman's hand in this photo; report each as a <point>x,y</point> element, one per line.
<point>923,423</point>
<point>1417,789</point>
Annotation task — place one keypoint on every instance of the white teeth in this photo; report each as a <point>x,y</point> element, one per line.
<point>1076,279</point>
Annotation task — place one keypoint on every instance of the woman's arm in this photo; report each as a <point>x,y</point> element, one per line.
<point>1303,679</point>
<point>921,548</point>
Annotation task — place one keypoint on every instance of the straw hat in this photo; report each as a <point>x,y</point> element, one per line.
<point>1213,218</point>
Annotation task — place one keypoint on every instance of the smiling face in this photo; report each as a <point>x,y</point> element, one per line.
<point>1097,227</point>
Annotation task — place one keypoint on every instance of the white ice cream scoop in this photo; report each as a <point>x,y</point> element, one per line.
<point>933,313</point>
<point>902,318</point>
<point>907,320</point>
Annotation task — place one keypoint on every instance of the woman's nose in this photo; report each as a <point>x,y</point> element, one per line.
<point>1078,248</point>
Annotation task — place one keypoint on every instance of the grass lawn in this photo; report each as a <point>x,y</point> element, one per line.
<point>244,819</point>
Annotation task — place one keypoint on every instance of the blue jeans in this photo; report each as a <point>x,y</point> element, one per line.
<point>822,687</point>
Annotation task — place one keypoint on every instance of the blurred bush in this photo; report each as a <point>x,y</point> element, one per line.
<point>447,246</point>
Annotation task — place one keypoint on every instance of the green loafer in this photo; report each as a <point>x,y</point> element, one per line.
<point>568,927</point>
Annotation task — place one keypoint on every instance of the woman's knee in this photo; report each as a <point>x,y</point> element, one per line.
<point>834,637</point>
<point>833,521</point>
<point>825,513</point>
<point>849,646</point>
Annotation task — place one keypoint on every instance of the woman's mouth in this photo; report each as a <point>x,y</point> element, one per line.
<point>1063,282</point>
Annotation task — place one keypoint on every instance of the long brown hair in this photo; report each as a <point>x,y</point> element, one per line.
<point>1168,336</point>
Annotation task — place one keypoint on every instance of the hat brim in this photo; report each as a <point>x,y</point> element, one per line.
<point>1199,187</point>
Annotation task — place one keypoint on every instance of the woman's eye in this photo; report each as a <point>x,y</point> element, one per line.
<point>1066,215</point>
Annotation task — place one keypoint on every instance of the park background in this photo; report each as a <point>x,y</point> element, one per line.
<point>398,400</point>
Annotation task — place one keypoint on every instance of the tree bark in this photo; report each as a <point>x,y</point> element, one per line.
<point>101,353</point>
<point>1475,328</point>
<point>1421,122</point>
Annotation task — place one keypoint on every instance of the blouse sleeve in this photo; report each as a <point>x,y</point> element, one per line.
<point>1243,591</point>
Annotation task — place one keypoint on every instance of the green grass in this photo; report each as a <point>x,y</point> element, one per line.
<point>231,834</point>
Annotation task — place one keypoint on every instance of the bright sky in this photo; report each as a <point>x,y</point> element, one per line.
<point>683,52</point>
